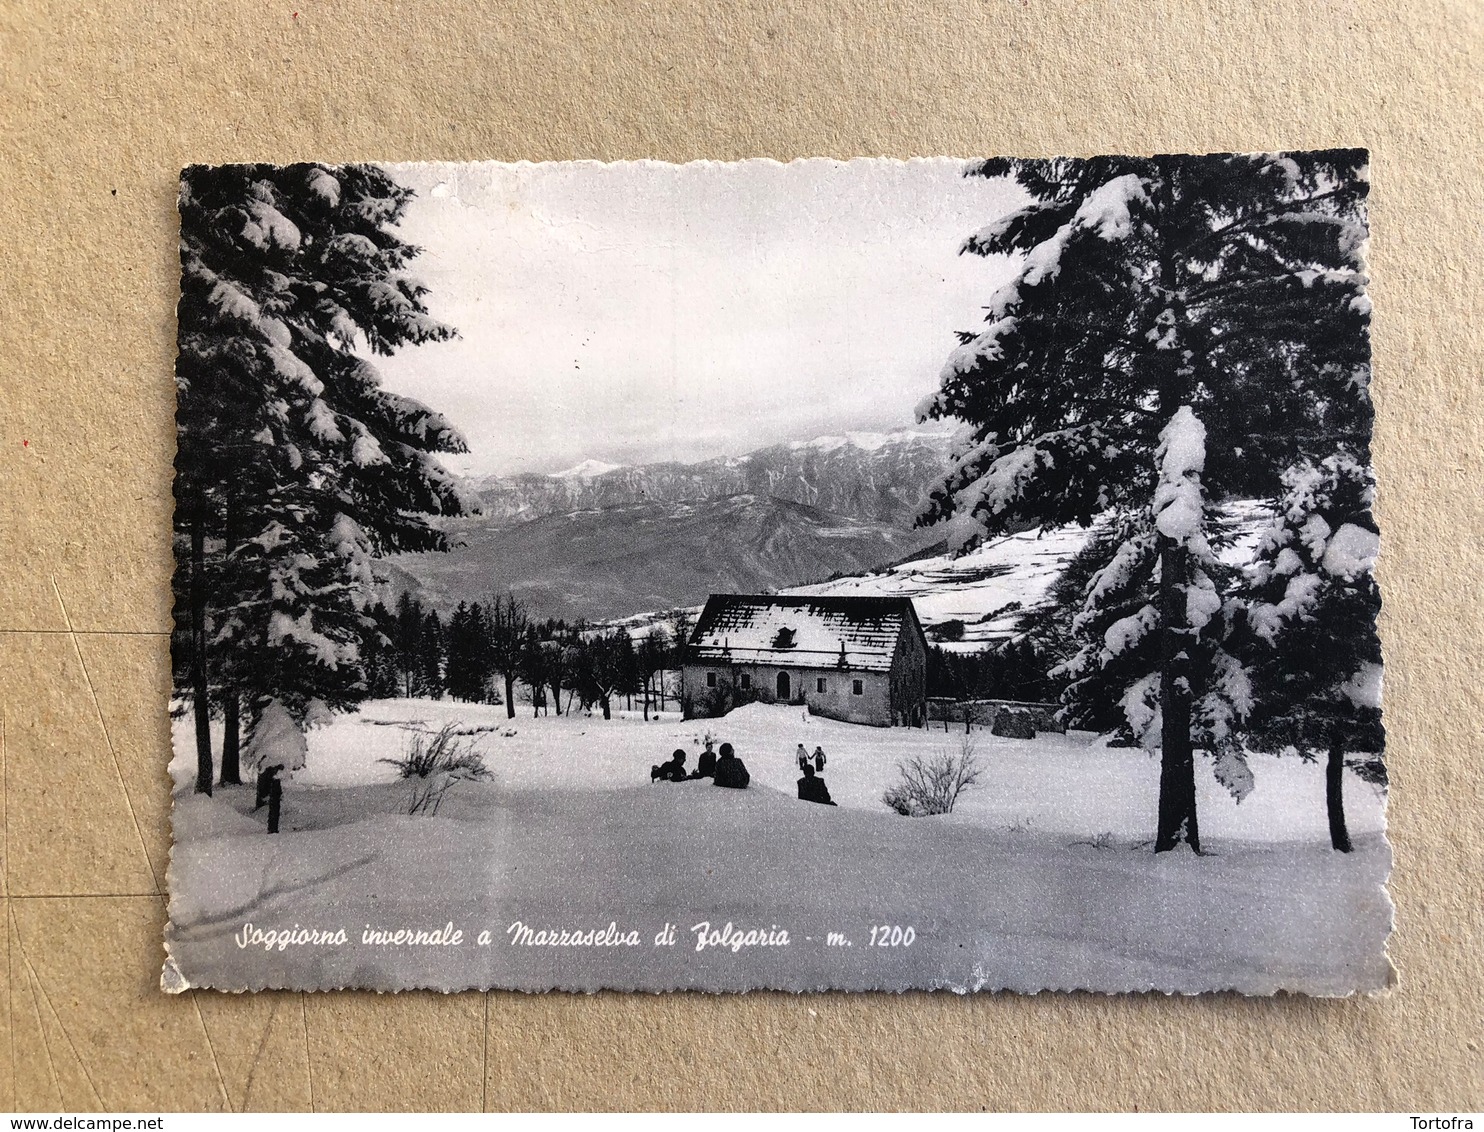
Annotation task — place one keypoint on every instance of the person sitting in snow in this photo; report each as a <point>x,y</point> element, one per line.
<point>819,759</point>
<point>730,770</point>
<point>801,757</point>
<point>706,761</point>
<point>812,789</point>
<point>671,771</point>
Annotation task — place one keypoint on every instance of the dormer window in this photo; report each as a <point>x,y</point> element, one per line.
<point>784,639</point>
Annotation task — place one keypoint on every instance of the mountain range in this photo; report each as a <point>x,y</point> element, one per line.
<point>601,542</point>
<point>862,475</point>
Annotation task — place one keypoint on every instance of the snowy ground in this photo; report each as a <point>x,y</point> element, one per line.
<point>1041,878</point>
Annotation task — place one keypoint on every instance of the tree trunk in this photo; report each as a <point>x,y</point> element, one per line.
<point>1177,812</point>
<point>510,695</point>
<point>1334,797</point>
<point>607,711</point>
<point>231,774</point>
<point>556,694</point>
<point>1177,816</point>
<point>200,703</point>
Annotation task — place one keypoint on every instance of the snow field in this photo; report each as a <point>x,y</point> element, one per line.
<point>1072,786</point>
<point>1041,879</point>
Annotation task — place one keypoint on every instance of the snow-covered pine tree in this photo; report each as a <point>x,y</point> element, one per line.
<point>1158,300</point>
<point>277,740</point>
<point>294,466</point>
<point>1123,660</point>
<point>1314,653</point>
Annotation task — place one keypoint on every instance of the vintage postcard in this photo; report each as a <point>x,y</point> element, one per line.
<point>828,575</point>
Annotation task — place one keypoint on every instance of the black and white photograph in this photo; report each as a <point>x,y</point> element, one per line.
<point>950,574</point>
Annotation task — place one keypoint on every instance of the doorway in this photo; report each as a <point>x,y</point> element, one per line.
<point>784,694</point>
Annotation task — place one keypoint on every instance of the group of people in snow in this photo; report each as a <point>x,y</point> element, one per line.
<point>726,769</point>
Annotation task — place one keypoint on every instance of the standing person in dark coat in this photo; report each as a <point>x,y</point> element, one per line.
<point>813,789</point>
<point>705,761</point>
<point>267,776</point>
<point>730,770</point>
<point>275,800</point>
<point>671,771</point>
<point>819,759</point>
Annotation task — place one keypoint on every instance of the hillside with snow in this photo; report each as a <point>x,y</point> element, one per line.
<point>989,588</point>
<point>986,589</point>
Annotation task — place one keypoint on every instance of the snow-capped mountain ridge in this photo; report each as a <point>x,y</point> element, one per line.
<point>872,441</point>
<point>883,477</point>
<point>586,470</point>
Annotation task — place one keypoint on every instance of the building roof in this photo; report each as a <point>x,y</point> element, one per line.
<point>801,632</point>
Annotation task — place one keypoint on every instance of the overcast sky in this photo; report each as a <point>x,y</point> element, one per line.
<point>638,312</point>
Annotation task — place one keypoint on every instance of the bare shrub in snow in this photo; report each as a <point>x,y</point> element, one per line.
<point>932,784</point>
<point>437,763</point>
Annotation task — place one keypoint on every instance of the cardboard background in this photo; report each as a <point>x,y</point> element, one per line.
<point>99,110</point>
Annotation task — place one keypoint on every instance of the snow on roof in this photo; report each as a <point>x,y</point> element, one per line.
<point>801,632</point>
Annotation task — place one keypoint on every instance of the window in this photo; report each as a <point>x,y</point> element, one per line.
<point>746,680</point>
<point>710,679</point>
<point>819,685</point>
<point>857,687</point>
